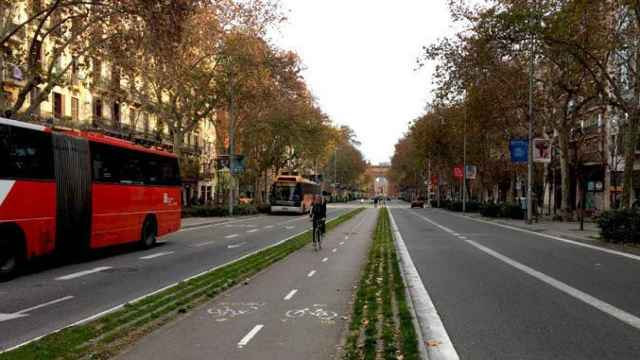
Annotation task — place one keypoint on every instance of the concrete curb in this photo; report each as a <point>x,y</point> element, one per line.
<point>426,319</point>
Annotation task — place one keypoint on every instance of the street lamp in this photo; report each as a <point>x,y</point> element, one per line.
<point>530,150</point>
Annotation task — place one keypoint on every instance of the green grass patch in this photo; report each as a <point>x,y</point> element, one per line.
<point>381,322</point>
<point>107,336</point>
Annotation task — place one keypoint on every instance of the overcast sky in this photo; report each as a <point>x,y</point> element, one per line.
<point>361,59</point>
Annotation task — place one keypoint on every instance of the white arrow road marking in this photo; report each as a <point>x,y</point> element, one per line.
<point>290,294</point>
<point>235,245</point>
<point>153,256</point>
<point>245,340</point>
<point>83,273</point>
<point>231,236</point>
<point>5,189</point>
<point>24,312</point>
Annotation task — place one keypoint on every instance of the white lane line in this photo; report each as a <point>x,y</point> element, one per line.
<point>269,227</point>
<point>289,227</point>
<point>311,273</point>
<point>341,242</point>
<point>204,243</point>
<point>572,242</point>
<point>235,245</point>
<point>245,340</point>
<point>607,308</point>
<point>83,273</point>
<point>334,250</point>
<point>24,312</point>
<point>431,327</point>
<point>157,291</point>
<point>325,259</point>
<point>252,230</point>
<point>231,236</point>
<point>290,294</point>
<point>198,227</point>
<point>156,255</point>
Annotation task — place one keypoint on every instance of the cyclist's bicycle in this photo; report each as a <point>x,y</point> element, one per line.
<point>317,234</point>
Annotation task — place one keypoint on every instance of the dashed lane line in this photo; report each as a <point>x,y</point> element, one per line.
<point>231,236</point>
<point>156,255</point>
<point>83,273</point>
<point>334,250</point>
<point>290,294</point>
<point>311,273</point>
<point>325,259</point>
<point>245,340</point>
<point>252,230</point>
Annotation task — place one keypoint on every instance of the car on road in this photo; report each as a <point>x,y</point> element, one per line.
<point>418,203</point>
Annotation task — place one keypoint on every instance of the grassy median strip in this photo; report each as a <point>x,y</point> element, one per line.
<point>108,335</point>
<point>381,324</point>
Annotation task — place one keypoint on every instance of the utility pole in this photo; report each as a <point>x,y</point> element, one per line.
<point>464,158</point>
<point>530,155</point>
<point>232,130</point>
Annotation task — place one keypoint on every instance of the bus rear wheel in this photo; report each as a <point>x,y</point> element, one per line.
<point>149,233</point>
<point>9,258</point>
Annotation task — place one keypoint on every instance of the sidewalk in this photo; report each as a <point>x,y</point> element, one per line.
<point>296,309</point>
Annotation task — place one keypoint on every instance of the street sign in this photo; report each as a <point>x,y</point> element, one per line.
<point>541,151</point>
<point>519,150</point>
<point>237,164</point>
<point>472,172</point>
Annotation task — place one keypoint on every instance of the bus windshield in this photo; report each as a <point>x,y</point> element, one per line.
<point>282,192</point>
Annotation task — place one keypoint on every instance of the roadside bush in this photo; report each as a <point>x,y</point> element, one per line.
<point>620,226</point>
<point>490,210</point>
<point>511,211</point>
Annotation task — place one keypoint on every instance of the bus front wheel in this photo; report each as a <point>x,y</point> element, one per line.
<point>10,254</point>
<point>149,233</point>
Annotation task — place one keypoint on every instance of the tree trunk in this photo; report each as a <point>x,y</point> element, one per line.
<point>565,174</point>
<point>630,144</point>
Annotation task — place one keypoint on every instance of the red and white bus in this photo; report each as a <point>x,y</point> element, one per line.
<point>68,192</point>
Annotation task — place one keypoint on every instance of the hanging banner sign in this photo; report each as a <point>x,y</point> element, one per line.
<point>519,150</point>
<point>458,172</point>
<point>472,172</point>
<point>542,151</point>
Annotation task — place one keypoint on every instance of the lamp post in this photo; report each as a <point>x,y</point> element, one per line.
<point>464,158</point>
<point>530,146</point>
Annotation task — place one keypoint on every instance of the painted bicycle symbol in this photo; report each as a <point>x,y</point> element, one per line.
<point>226,311</point>
<point>316,311</point>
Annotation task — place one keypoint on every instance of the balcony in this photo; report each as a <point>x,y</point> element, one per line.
<point>12,75</point>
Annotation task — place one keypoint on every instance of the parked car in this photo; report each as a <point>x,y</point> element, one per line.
<point>418,203</point>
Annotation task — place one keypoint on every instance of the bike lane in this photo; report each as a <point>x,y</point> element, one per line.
<point>297,308</point>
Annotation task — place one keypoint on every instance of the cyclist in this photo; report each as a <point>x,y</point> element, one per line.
<point>318,215</point>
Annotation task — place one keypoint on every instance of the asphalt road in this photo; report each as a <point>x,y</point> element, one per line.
<point>507,294</point>
<point>36,304</point>
<point>296,309</point>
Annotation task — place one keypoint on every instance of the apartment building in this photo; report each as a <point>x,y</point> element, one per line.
<point>91,96</point>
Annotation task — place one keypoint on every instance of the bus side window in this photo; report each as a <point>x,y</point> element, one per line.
<point>104,159</point>
<point>26,154</point>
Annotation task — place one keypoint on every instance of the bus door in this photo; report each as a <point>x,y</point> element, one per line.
<point>73,193</point>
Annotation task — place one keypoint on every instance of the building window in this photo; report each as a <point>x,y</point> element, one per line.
<point>146,123</point>
<point>97,111</point>
<point>75,109</point>
<point>115,114</point>
<point>132,119</point>
<point>58,111</point>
